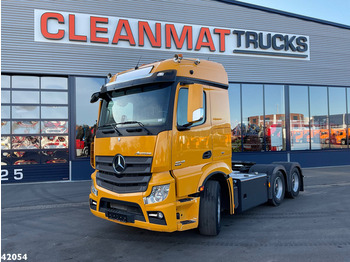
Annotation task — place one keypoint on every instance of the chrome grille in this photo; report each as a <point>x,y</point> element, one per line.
<point>135,178</point>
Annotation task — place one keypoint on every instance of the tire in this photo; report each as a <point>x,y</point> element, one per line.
<point>86,151</point>
<point>295,183</point>
<point>278,188</point>
<point>209,209</point>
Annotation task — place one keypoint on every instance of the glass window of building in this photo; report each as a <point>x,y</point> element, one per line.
<point>253,117</point>
<point>25,97</point>
<point>299,117</point>
<point>5,81</point>
<point>348,115</point>
<point>337,117</point>
<point>5,127</point>
<point>86,113</point>
<point>58,83</point>
<point>25,112</point>
<point>234,92</point>
<point>5,112</point>
<point>54,97</point>
<point>5,96</point>
<point>54,112</point>
<point>5,142</point>
<point>25,127</point>
<point>25,139</point>
<point>27,157</point>
<point>30,82</point>
<point>319,132</point>
<point>275,126</point>
<point>54,127</point>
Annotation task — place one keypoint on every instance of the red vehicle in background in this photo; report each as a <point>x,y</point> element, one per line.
<point>83,139</point>
<point>274,137</point>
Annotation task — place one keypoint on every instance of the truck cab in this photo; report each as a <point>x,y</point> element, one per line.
<point>162,149</point>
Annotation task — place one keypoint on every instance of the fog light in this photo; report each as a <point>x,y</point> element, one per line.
<point>160,215</point>
<point>93,204</point>
<point>93,189</point>
<point>158,194</point>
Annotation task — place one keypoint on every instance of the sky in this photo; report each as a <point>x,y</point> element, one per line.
<point>337,11</point>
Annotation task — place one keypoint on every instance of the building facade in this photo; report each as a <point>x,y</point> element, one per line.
<point>289,77</point>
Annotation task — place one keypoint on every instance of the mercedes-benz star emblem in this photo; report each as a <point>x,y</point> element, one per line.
<point>119,164</point>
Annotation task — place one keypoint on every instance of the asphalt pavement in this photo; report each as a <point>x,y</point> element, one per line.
<point>52,222</point>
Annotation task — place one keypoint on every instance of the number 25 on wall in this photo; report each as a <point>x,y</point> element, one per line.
<point>17,174</point>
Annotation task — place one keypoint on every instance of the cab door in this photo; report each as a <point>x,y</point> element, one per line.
<point>192,145</point>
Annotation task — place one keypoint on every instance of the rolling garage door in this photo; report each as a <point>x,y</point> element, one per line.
<point>34,129</point>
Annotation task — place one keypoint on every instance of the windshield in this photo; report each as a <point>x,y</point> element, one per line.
<point>147,105</point>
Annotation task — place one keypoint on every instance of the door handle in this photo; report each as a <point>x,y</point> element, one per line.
<point>207,154</point>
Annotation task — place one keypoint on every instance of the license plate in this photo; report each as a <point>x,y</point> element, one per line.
<point>116,216</point>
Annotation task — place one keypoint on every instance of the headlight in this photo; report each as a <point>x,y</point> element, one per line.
<point>158,194</point>
<point>93,189</point>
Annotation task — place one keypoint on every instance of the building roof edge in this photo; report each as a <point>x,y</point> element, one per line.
<point>280,12</point>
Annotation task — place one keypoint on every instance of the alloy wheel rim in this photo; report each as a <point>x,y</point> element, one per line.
<point>295,182</point>
<point>278,187</point>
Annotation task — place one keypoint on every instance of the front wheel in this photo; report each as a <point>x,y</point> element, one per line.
<point>209,209</point>
<point>278,188</point>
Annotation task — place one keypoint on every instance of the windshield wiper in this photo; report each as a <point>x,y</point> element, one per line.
<point>135,122</point>
<point>114,126</point>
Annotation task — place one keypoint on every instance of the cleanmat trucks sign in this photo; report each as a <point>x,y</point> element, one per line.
<point>87,29</point>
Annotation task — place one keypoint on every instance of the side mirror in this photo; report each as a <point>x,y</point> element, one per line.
<point>95,97</point>
<point>195,110</point>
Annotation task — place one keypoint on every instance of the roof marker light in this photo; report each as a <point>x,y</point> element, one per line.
<point>178,58</point>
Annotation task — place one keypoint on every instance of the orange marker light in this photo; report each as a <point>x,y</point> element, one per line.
<point>201,189</point>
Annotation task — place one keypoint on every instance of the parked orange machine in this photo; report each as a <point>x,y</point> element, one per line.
<point>162,151</point>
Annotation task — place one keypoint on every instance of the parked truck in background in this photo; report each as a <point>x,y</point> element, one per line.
<point>162,151</point>
<point>338,136</point>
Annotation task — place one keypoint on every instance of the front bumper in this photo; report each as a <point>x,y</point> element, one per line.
<point>129,209</point>
<point>166,224</point>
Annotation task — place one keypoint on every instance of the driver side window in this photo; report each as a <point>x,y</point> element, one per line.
<point>182,108</point>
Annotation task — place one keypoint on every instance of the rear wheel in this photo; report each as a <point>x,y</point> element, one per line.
<point>278,188</point>
<point>295,185</point>
<point>209,209</point>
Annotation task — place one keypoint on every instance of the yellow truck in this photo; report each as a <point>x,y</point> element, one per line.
<point>162,151</point>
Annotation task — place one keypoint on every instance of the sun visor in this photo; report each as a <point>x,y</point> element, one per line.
<point>140,78</point>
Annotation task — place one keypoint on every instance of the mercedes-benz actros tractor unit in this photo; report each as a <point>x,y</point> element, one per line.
<point>162,151</point>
